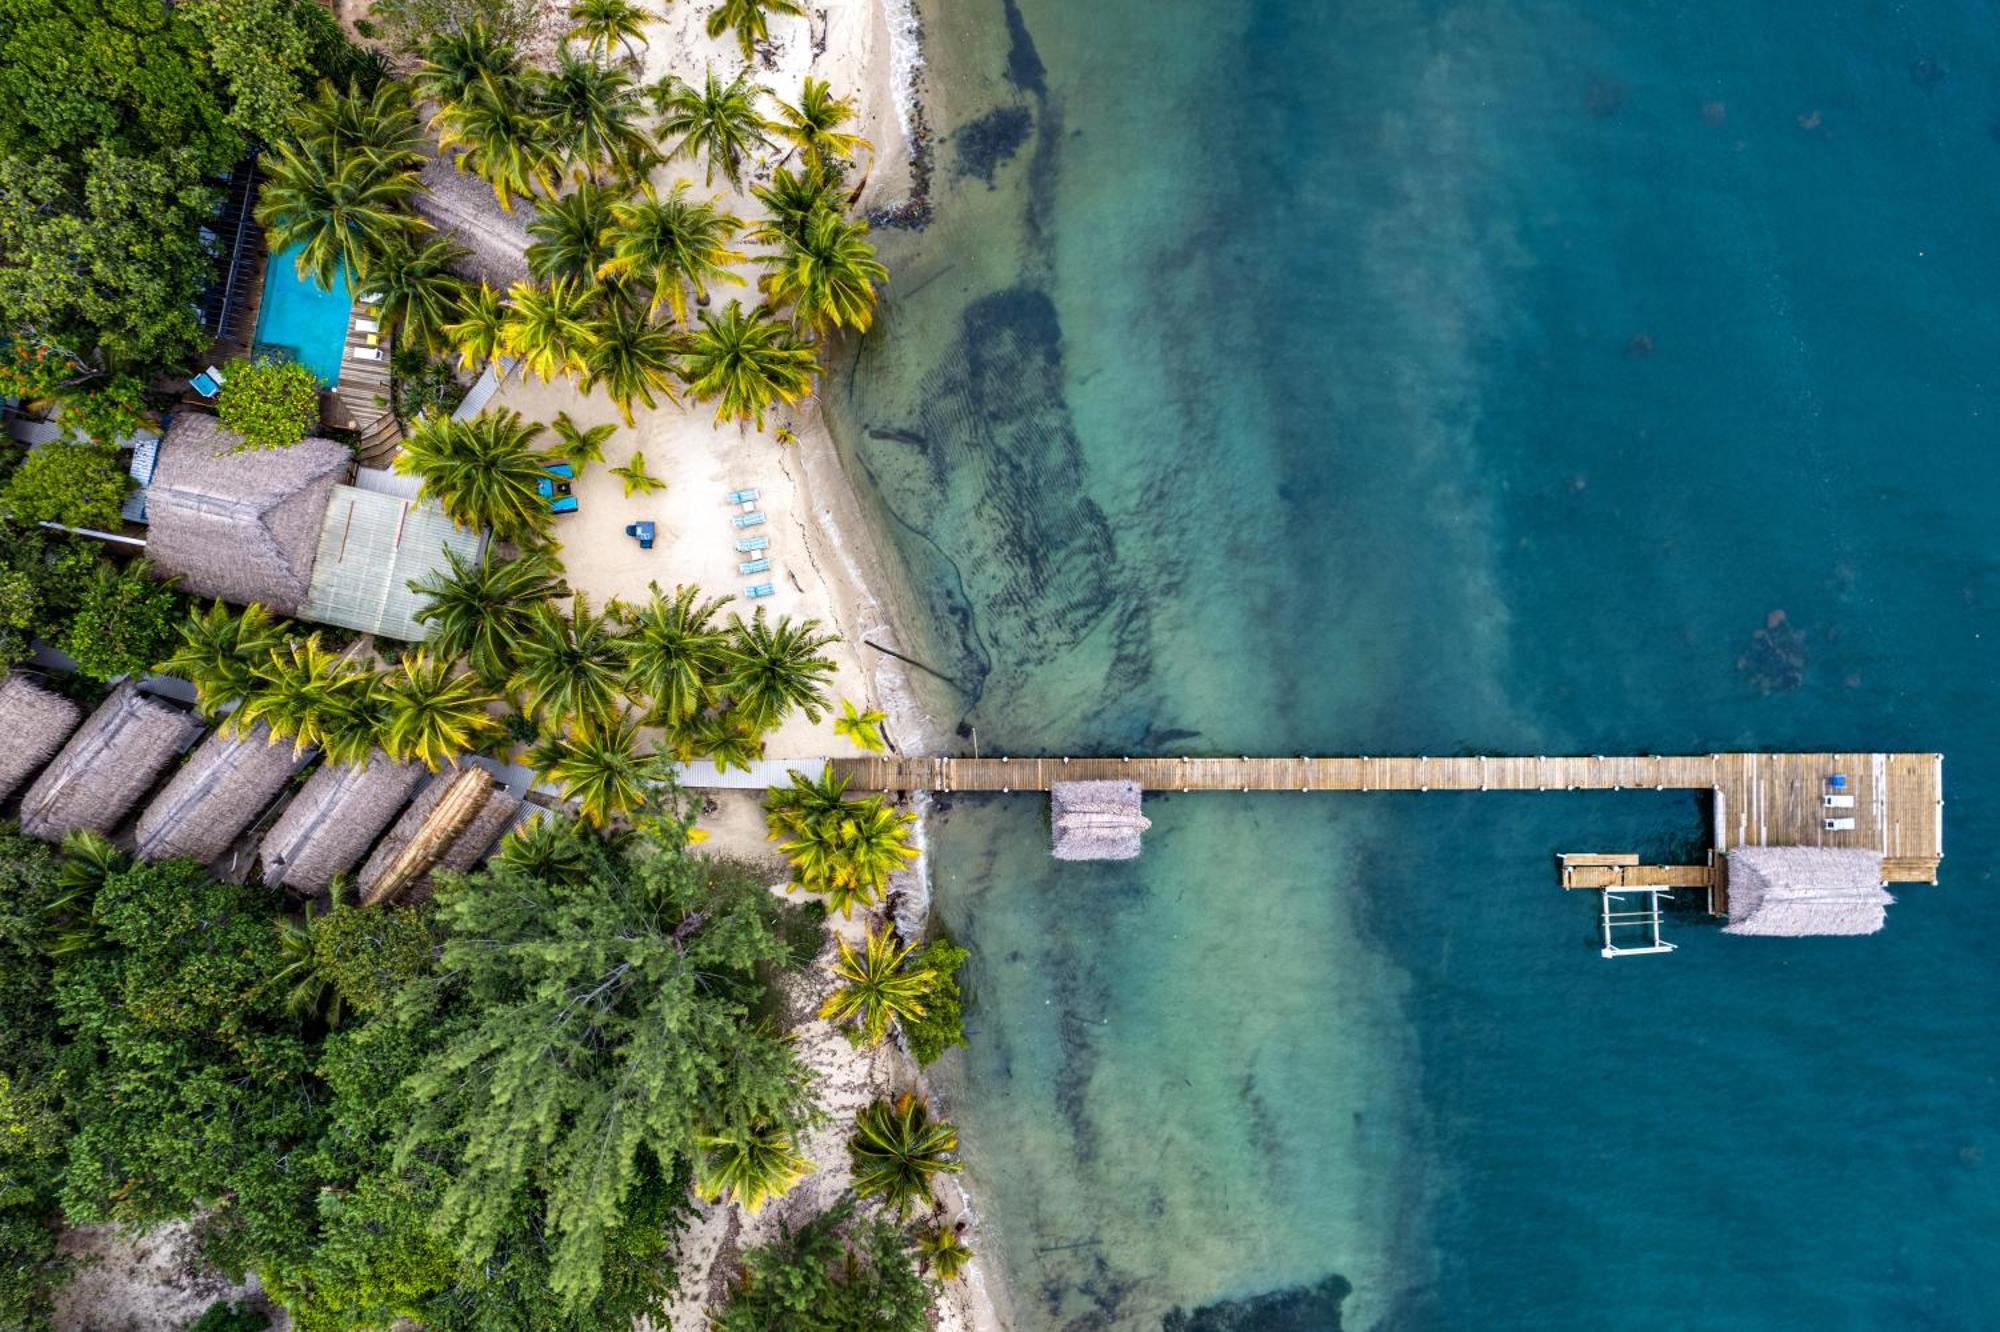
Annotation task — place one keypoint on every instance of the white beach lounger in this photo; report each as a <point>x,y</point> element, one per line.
<point>1838,801</point>
<point>365,353</point>
<point>367,326</point>
<point>1838,825</point>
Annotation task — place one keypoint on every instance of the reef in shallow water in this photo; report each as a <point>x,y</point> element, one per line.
<point>1301,1309</point>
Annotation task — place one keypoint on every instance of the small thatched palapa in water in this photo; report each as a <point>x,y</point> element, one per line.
<point>217,793</point>
<point>334,819</point>
<point>1096,820</point>
<point>33,725</point>
<point>451,825</point>
<point>1792,891</point>
<point>104,769</point>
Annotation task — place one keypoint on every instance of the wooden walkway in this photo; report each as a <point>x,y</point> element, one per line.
<point>1759,799</point>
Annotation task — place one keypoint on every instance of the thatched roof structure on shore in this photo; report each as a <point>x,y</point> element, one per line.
<point>334,819</point>
<point>215,796</point>
<point>35,723</point>
<point>242,526</point>
<point>463,206</point>
<point>1792,891</point>
<point>1096,820</point>
<point>451,824</point>
<point>107,765</point>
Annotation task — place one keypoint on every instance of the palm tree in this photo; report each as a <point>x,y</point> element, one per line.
<point>458,58</point>
<point>792,199</point>
<point>478,611</point>
<point>309,993</point>
<point>567,667</point>
<point>670,244</point>
<point>848,856</point>
<point>382,122</point>
<point>435,711</point>
<point>220,652</point>
<point>719,122</point>
<point>601,22</point>
<point>944,1250</point>
<point>484,473</point>
<point>548,847</point>
<point>828,273</point>
<point>342,208</point>
<point>813,126</point>
<point>548,326</point>
<point>570,238</point>
<point>503,139</point>
<point>897,1147</point>
<point>303,693</point>
<point>636,478</point>
<point>863,728</point>
<point>746,363</point>
<point>476,332</point>
<point>675,654</point>
<point>593,109</point>
<point>787,809</point>
<point>601,768</point>
<point>750,1165</point>
<point>774,668</point>
<point>420,294</point>
<point>750,19</point>
<point>878,986</point>
<point>632,357</point>
<point>580,447</point>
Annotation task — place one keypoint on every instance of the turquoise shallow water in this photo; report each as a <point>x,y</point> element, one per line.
<point>299,319</point>
<point>1432,378</point>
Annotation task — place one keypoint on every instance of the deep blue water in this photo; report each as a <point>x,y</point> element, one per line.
<point>1434,378</point>
<point>298,319</point>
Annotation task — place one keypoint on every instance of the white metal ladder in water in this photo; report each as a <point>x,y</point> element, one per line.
<point>1618,920</point>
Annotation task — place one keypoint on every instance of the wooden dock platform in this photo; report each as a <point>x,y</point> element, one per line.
<point>1759,799</point>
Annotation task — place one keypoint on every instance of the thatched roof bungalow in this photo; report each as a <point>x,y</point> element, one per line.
<point>35,723</point>
<point>451,825</point>
<point>334,819</point>
<point>242,526</point>
<point>1791,891</point>
<point>107,765</point>
<point>1096,820</point>
<point>217,794</point>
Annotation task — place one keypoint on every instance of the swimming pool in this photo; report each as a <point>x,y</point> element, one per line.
<point>297,319</point>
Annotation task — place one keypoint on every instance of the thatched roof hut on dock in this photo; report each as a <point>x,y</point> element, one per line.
<point>451,825</point>
<point>107,765</point>
<point>334,819</point>
<point>217,794</point>
<point>1793,891</point>
<point>1096,820</point>
<point>35,723</point>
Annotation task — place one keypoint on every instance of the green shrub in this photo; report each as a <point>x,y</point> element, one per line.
<point>273,404</point>
<point>222,1316</point>
<point>77,485</point>
<point>942,1025</point>
<point>105,412</point>
<point>126,621</point>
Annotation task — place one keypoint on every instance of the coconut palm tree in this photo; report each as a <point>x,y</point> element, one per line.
<point>484,473</point>
<point>720,737</point>
<point>420,294</point>
<point>220,651</point>
<point>746,363</point>
<point>750,19</point>
<point>675,653</point>
<point>476,331</point>
<point>813,126</point>
<point>897,1148</point>
<point>828,274</point>
<point>599,23</point>
<point>774,668</point>
<point>548,847</point>
<point>863,728</point>
<point>944,1250</point>
<point>579,447</point>
<point>632,357</point>
<point>594,110</point>
<point>457,58</point>
<point>787,809</point>
<point>567,667</point>
<point>601,768</point>
<point>671,244</point>
<point>792,199</point>
<point>548,326</point>
<point>382,122</point>
<point>750,1166</point>
<point>435,711</point>
<point>342,207</point>
<point>638,481</point>
<point>306,693</point>
<point>502,138</point>
<point>309,993</point>
<point>849,855</point>
<point>479,610</point>
<point>719,121</point>
<point>570,236</point>
<point>877,986</point>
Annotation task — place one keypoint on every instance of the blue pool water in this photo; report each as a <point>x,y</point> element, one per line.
<point>1440,376</point>
<point>302,321</point>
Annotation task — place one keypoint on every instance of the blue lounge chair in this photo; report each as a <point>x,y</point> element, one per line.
<point>754,566</point>
<point>561,469</point>
<point>563,504</point>
<point>641,533</point>
<point>743,496</point>
<point>749,519</point>
<point>208,383</point>
<point>748,544</point>
<point>760,590</point>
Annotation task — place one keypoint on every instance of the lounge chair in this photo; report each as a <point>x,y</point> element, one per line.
<point>754,566</point>
<point>1836,781</point>
<point>1838,825</point>
<point>563,504</point>
<point>748,519</point>
<point>748,544</point>
<point>743,496</point>
<point>642,533</point>
<point>208,383</point>
<point>1838,801</point>
<point>760,590</point>
<point>367,326</point>
<point>371,298</point>
<point>561,469</point>
<point>365,353</point>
